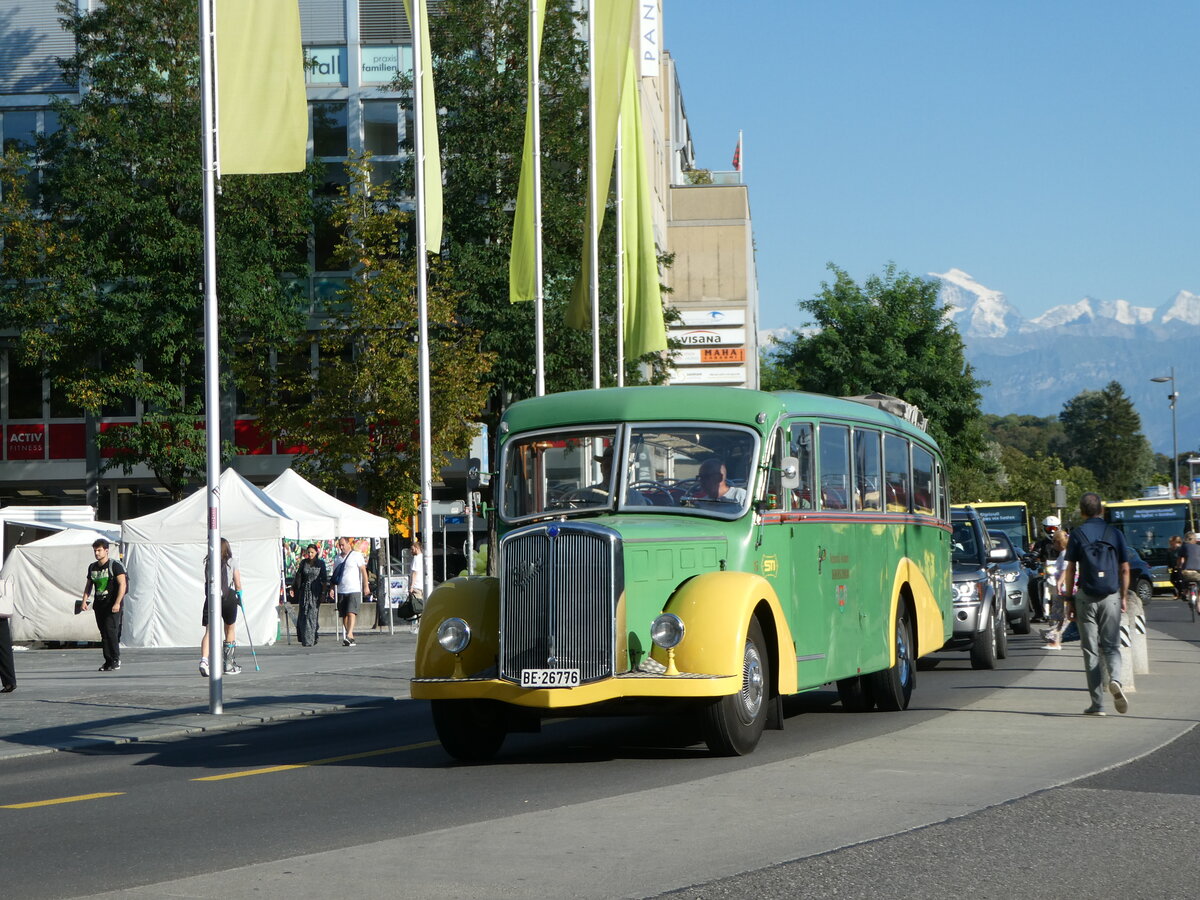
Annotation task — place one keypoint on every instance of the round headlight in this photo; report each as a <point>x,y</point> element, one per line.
<point>667,631</point>
<point>454,634</point>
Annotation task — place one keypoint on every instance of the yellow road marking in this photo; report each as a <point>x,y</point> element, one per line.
<point>60,800</point>
<point>317,762</point>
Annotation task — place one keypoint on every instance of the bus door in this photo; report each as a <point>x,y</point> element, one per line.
<point>827,556</point>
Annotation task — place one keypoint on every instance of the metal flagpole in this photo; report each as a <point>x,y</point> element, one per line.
<point>418,13</point>
<point>594,219</point>
<point>212,425</point>
<point>620,242</point>
<point>535,65</point>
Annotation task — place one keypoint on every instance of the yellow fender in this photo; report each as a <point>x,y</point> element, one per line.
<point>477,602</point>
<point>930,623</point>
<point>715,609</point>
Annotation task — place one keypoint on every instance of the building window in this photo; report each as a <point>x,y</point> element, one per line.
<point>329,131</point>
<point>24,390</point>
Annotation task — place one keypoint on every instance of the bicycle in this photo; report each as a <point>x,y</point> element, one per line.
<point>1193,597</point>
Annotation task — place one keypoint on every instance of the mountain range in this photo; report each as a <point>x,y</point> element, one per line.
<point>1035,365</point>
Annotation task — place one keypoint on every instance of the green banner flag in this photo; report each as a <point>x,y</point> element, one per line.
<point>522,264</point>
<point>262,106</point>
<point>644,328</point>
<point>432,163</point>
<point>614,31</point>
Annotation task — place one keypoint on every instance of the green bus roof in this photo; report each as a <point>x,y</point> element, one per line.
<point>667,403</point>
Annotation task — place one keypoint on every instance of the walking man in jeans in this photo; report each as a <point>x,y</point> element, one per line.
<point>1098,617</point>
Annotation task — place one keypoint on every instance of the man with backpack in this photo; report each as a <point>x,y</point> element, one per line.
<point>1100,555</point>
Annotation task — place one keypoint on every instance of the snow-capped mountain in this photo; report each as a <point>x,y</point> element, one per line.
<point>1035,365</point>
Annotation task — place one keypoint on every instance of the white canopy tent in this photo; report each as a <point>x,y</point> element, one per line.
<point>294,492</point>
<point>165,551</point>
<point>44,579</point>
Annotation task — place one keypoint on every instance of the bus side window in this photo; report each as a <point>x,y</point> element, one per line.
<point>834,453</point>
<point>867,474</point>
<point>800,445</point>
<point>895,467</point>
<point>923,486</point>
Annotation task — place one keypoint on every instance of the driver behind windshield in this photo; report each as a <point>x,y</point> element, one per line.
<point>713,485</point>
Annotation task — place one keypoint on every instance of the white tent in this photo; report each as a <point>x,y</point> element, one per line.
<point>294,492</point>
<point>44,579</point>
<point>165,552</point>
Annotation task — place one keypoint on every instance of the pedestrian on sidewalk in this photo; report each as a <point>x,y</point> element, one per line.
<point>1100,555</point>
<point>1058,606</point>
<point>416,586</point>
<point>307,589</point>
<point>106,583</point>
<point>8,673</point>
<point>350,586</point>
<point>231,597</point>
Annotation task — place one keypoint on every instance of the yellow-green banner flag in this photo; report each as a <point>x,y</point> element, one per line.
<point>432,163</point>
<point>262,108</point>
<point>614,31</point>
<point>644,328</point>
<point>522,261</point>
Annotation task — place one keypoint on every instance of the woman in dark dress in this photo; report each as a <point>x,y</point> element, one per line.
<point>308,587</point>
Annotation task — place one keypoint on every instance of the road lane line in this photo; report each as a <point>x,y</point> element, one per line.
<point>317,762</point>
<point>58,800</point>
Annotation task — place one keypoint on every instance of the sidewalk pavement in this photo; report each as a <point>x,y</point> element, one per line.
<point>63,703</point>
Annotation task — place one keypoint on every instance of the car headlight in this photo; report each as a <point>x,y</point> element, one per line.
<point>667,631</point>
<point>967,591</point>
<point>454,634</point>
<point>1010,577</point>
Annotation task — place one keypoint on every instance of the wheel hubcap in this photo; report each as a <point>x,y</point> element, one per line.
<point>752,683</point>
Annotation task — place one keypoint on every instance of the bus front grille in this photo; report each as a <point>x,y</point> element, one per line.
<point>558,590</point>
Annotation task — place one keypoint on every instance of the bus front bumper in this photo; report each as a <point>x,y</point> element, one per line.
<point>630,685</point>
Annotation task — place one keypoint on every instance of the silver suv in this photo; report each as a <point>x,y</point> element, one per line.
<point>980,623</point>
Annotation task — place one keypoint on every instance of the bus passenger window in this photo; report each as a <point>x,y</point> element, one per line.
<point>922,471</point>
<point>834,453</point>
<point>800,446</point>
<point>867,474</point>
<point>895,467</point>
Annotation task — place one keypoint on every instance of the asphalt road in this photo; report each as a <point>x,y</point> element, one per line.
<point>974,790</point>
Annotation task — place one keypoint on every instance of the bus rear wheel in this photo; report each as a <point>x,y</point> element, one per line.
<point>892,688</point>
<point>470,730</point>
<point>733,724</point>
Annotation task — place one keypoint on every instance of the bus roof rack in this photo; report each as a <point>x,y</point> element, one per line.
<point>900,408</point>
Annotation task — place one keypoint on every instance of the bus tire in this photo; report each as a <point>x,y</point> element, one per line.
<point>983,650</point>
<point>470,730</point>
<point>893,687</point>
<point>855,694</point>
<point>733,724</point>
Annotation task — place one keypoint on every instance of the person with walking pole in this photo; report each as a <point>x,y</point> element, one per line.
<point>231,598</point>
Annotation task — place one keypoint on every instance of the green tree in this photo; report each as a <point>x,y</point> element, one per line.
<point>1029,434</point>
<point>355,421</point>
<point>1103,433</point>
<point>889,335</point>
<point>480,51</point>
<point>102,273</point>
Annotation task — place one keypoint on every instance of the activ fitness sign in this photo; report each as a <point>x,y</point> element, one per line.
<point>25,442</point>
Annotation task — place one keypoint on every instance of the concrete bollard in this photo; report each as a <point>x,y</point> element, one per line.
<point>1139,649</point>
<point>1127,669</point>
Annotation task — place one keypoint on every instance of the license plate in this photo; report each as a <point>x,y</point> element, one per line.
<point>545,678</point>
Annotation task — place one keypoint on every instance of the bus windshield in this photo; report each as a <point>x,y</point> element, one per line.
<point>680,468</point>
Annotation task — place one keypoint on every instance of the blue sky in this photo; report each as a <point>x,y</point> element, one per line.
<point>1050,148</point>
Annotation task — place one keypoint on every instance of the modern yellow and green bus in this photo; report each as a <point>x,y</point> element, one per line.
<point>693,548</point>
<point>1148,525</point>
<point>1010,517</point>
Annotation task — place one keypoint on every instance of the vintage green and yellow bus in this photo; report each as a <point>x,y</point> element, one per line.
<point>1148,525</point>
<point>699,547</point>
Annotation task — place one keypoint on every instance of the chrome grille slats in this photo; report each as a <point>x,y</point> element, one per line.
<point>558,592</point>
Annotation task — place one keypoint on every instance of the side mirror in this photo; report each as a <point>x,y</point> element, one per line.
<point>999,554</point>
<point>791,473</point>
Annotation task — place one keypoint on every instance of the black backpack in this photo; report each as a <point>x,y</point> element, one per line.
<point>1100,568</point>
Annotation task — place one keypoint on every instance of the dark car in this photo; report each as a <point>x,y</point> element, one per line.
<point>980,624</point>
<point>1141,577</point>
<point>1017,602</point>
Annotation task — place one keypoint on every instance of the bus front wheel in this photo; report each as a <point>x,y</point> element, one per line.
<point>470,730</point>
<point>734,724</point>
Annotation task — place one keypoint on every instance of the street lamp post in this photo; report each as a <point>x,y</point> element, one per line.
<point>1173,396</point>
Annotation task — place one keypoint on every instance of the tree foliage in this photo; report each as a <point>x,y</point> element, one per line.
<point>102,273</point>
<point>354,421</point>
<point>480,52</point>
<point>1104,433</point>
<point>889,335</point>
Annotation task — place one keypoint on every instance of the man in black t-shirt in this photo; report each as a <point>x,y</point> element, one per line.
<point>106,580</point>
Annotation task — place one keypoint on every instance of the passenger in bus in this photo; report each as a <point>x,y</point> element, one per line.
<point>713,484</point>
